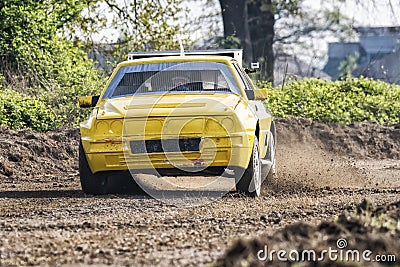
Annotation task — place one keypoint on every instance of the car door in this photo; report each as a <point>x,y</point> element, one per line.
<point>264,118</point>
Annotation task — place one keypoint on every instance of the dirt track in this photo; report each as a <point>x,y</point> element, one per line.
<point>46,219</point>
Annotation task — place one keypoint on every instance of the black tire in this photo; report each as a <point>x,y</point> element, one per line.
<point>271,153</point>
<point>250,182</point>
<point>92,183</point>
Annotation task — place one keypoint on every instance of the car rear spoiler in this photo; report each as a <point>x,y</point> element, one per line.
<point>233,53</point>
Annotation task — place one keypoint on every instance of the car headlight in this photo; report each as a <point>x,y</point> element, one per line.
<point>116,128</point>
<point>102,128</point>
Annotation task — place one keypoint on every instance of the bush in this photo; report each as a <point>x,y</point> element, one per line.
<point>36,60</point>
<point>19,111</point>
<point>57,75</point>
<point>63,72</point>
<point>41,46</point>
<point>350,100</point>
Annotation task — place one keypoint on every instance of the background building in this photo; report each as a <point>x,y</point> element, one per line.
<point>376,55</point>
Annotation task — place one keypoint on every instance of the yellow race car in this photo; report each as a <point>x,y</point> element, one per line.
<point>178,114</point>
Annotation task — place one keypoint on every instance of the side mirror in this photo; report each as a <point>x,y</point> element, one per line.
<point>88,101</point>
<point>260,94</point>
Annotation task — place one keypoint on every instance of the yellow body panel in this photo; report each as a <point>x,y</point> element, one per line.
<point>225,125</point>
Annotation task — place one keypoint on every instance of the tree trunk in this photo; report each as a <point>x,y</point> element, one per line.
<point>235,19</point>
<point>261,15</point>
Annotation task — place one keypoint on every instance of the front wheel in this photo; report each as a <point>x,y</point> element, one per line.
<point>250,183</point>
<point>92,183</point>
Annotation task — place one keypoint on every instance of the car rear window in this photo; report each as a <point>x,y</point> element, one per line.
<point>172,77</point>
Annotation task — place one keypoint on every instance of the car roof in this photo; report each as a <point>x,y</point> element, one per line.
<point>233,53</point>
<point>201,58</point>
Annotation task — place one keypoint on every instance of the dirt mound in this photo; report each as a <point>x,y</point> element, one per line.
<point>32,155</point>
<point>365,228</point>
<point>357,139</point>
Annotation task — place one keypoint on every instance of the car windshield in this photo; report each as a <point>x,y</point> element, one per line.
<point>172,77</point>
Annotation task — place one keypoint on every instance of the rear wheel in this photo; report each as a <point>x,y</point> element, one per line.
<point>271,153</point>
<point>92,183</point>
<point>250,183</point>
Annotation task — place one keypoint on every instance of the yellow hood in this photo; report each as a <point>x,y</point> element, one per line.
<point>167,105</point>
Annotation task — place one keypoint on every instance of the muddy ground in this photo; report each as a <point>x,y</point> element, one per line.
<point>323,171</point>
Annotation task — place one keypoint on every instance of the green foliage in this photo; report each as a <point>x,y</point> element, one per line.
<point>31,22</point>
<point>346,101</point>
<point>42,45</point>
<point>230,42</point>
<point>38,62</point>
<point>61,73</point>
<point>19,111</point>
